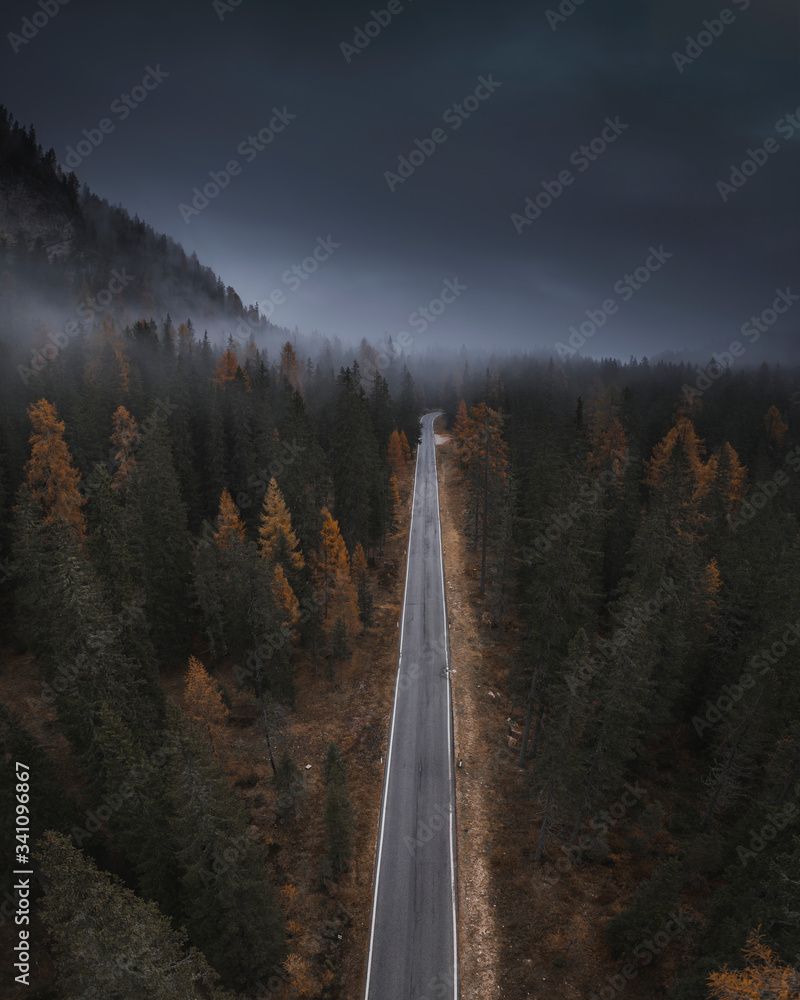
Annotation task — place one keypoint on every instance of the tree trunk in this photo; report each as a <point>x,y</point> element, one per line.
<point>537,727</point>
<point>540,846</point>
<point>503,574</point>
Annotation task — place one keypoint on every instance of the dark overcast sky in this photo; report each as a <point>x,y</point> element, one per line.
<point>324,175</point>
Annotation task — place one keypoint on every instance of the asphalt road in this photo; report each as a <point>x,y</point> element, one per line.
<point>413,953</point>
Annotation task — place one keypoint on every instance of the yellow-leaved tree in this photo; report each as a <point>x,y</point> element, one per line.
<point>765,978</point>
<point>277,540</point>
<point>395,453</point>
<point>49,474</point>
<point>229,524</point>
<point>204,703</point>
<point>339,594</point>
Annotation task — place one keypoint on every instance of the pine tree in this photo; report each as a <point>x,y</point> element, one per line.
<point>333,767</point>
<point>339,647</point>
<point>560,759</point>
<point>161,539</point>
<point>408,408</point>
<point>290,367</point>
<point>49,807</point>
<point>338,812</point>
<point>289,784</point>
<point>125,441</point>
<point>78,641</point>
<point>134,767</point>
<point>356,467</point>
<point>649,910</point>
<point>108,942</point>
<point>230,908</point>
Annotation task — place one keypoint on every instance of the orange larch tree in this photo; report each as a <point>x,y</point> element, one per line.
<point>227,367</point>
<point>49,474</point>
<point>229,524</point>
<point>204,704</point>
<point>608,437</point>
<point>406,447</point>
<point>287,603</point>
<point>277,540</point>
<point>463,430</point>
<point>339,594</point>
<point>775,425</point>
<point>395,502</point>
<point>765,978</point>
<point>731,475</point>
<point>395,452</point>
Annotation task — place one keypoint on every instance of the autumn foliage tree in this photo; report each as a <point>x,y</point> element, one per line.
<point>339,595</point>
<point>395,453</point>
<point>764,978</point>
<point>204,702</point>
<point>775,426</point>
<point>227,367</point>
<point>50,475</point>
<point>230,529</point>
<point>277,540</point>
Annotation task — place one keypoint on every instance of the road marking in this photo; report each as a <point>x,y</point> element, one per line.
<point>449,728</point>
<point>391,739</point>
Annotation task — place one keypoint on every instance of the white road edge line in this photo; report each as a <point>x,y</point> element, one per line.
<point>449,724</point>
<point>391,734</point>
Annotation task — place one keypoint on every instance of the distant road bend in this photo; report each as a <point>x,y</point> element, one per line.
<point>413,951</point>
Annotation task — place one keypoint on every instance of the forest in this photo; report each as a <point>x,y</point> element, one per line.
<point>178,503</point>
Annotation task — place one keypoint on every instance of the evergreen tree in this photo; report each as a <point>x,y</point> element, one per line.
<point>108,942</point>
<point>339,648</point>
<point>650,909</point>
<point>338,812</point>
<point>162,543</point>
<point>230,908</point>
<point>289,785</point>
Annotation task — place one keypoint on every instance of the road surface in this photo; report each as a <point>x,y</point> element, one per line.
<point>413,953</point>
